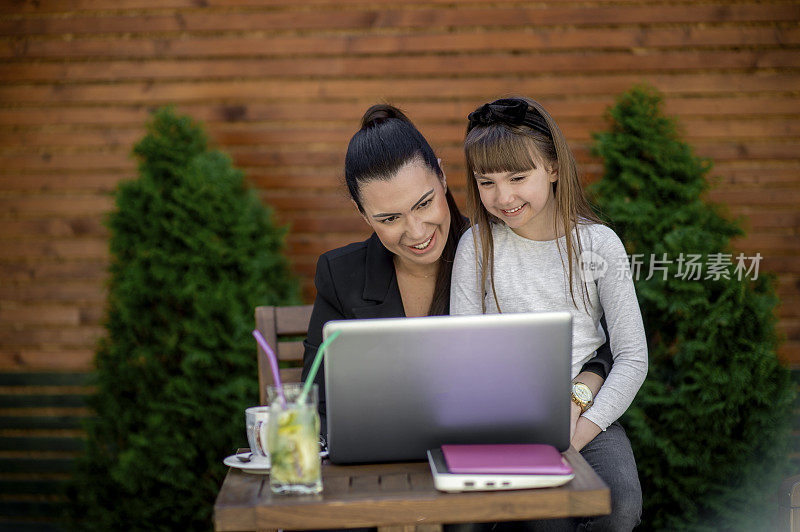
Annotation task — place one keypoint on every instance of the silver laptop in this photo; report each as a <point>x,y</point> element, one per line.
<point>397,387</point>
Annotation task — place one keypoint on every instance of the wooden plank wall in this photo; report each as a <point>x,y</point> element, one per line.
<point>282,84</point>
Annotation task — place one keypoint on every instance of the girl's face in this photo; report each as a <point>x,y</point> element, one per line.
<point>523,200</point>
<point>409,213</point>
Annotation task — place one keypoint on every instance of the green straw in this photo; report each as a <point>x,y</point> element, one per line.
<point>315,367</point>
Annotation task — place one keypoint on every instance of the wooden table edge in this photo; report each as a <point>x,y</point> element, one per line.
<point>594,500</point>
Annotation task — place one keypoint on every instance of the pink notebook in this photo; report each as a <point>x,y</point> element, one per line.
<point>514,459</point>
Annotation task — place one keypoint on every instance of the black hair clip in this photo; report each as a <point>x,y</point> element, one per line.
<point>509,111</point>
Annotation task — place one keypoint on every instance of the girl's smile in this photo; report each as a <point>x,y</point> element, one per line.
<point>515,211</point>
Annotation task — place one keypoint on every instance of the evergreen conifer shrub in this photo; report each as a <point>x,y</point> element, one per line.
<point>193,251</point>
<point>710,426</point>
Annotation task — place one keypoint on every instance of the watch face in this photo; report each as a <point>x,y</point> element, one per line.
<point>582,392</point>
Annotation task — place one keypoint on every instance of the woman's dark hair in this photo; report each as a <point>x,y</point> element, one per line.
<point>386,142</point>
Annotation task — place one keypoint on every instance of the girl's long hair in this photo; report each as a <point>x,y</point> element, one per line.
<point>386,142</point>
<point>500,147</point>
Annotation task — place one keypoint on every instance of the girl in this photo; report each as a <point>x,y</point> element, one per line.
<point>532,234</point>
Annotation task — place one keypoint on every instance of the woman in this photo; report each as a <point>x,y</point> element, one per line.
<point>403,269</point>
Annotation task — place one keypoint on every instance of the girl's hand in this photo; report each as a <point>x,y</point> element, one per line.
<point>585,431</point>
<point>574,415</point>
<point>581,430</point>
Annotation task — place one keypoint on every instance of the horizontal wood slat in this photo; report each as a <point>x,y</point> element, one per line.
<point>58,291</point>
<point>47,358</point>
<point>77,336</point>
<point>292,320</point>
<point>534,38</point>
<point>348,113</point>
<point>44,379</point>
<point>66,249</point>
<point>64,205</point>
<point>291,374</point>
<point>23,443</point>
<point>336,19</point>
<point>30,400</point>
<point>41,314</point>
<point>61,227</point>
<point>398,89</point>
<point>39,423</point>
<point>33,487</point>
<point>398,66</point>
<point>28,508</point>
<point>292,351</point>
<point>72,6</point>
<point>50,268</point>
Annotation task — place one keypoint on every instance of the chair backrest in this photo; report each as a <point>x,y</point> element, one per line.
<point>276,324</point>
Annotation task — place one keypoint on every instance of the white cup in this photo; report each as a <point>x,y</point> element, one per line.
<point>256,418</point>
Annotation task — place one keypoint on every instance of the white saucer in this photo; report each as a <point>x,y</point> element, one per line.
<point>257,465</point>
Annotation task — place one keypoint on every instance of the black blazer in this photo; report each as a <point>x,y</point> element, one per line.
<point>359,281</point>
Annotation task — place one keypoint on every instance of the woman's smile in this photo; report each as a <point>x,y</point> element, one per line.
<point>424,247</point>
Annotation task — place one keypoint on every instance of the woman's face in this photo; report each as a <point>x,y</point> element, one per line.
<point>409,213</point>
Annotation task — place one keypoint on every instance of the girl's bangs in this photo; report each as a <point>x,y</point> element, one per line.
<point>496,149</point>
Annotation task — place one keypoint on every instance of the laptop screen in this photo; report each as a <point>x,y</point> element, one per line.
<point>397,387</point>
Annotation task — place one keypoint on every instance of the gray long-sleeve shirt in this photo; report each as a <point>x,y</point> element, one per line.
<point>529,276</point>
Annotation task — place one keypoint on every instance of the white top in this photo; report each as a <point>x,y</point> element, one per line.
<point>529,276</point>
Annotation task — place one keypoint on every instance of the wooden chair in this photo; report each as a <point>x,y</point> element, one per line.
<point>790,504</point>
<point>276,324</point>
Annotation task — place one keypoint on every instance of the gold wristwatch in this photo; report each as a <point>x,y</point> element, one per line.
<point>582,396</point>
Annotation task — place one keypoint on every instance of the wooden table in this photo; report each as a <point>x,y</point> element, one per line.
<point>398,496</point>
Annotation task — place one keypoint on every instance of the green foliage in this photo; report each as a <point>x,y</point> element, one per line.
<point>193,252</point>
<point>710,425</point>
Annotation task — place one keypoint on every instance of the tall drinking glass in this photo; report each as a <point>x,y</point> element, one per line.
<point>293,441</point>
